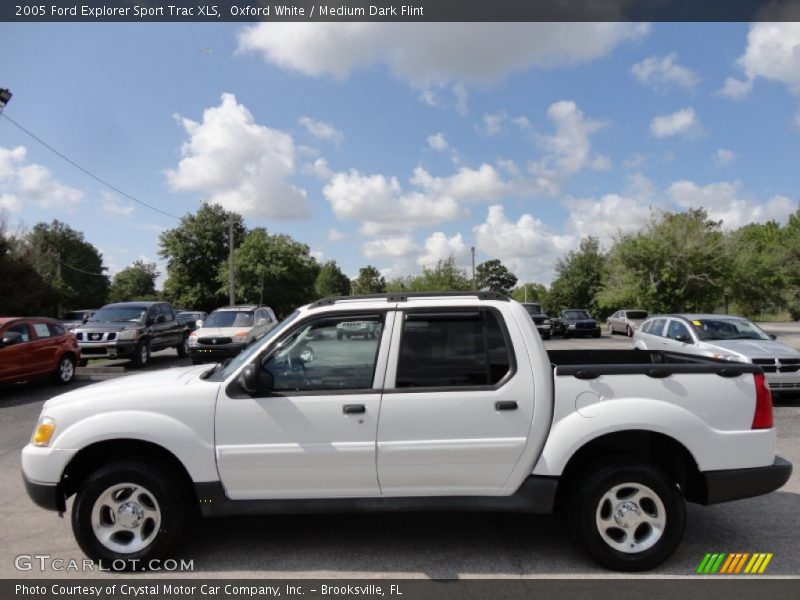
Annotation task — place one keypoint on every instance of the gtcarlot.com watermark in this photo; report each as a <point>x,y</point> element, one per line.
<point>47,562</point>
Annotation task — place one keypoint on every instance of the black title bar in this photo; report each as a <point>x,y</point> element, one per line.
<point>398,11</point>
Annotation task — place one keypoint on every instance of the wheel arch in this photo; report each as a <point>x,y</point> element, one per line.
<point>664,451</point>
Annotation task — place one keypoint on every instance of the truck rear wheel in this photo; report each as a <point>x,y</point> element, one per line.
<point>129,513</point>
<point>627,514</point>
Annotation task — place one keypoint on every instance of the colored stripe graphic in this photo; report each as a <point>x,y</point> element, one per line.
<point>735,563</point>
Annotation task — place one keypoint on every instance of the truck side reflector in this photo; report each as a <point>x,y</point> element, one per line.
<point>762,418</point>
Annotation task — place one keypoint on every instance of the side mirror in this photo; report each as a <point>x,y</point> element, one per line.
<point>248,379</point>
<point>160,319</point>
<point>772,336</point>
<point>85,319</point>
<point>11,338</point>
<point>199,323</point>
<point>261,322</point>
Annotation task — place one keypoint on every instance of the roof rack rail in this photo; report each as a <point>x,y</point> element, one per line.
<point>404,296</point>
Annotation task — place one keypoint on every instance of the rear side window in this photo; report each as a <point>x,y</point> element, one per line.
<point>453,349</point>
<point>658,327</point>
<point>647,327</point>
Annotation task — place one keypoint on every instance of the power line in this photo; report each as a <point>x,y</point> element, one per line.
<point>81,270</point>
<point>86,171</point>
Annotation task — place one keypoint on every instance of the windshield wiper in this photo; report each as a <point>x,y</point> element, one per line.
<point>215,368</point>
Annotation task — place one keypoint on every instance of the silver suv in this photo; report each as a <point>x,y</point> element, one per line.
<point>229,330</point>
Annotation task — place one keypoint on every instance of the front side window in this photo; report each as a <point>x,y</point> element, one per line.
<point>41,330</point>
<point>315,357</point>
<point>677,330</point>
<point>452,350</point>
<point>22,330</point>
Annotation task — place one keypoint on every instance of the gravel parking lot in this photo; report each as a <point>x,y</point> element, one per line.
<point>436,545</point>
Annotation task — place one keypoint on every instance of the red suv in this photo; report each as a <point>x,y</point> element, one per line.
<point>35,346</point>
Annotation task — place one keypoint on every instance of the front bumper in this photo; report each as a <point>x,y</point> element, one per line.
<point>735,484</point>
<point>46,495</point>
<point>207,352</point>
<point>115,349</point>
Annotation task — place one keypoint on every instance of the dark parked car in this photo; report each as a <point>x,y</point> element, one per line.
<point>575,321</point>
<point>36,346</point>
<point>76,318</point>
<point>190,318</point>
<point>540,319</point>
<point>132,330</point>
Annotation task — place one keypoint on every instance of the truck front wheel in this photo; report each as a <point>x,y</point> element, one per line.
<point>127,514</point>
<point>627,514</point>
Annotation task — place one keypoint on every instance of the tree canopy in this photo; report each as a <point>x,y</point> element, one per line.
<point>495,276</point>
<point>135,282</point>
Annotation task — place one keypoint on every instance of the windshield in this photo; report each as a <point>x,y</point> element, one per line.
<point>76,315</point>
<point>576,314</point>
<point>120,313</point>
<point>222,371</point>
<point>230,318</point>
<point>727,329</point>
<point>636,314</point>
<point>533,309</point>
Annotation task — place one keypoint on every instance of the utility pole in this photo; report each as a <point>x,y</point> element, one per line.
<point>231,264</point>
<point>472,252</point>
<point>525,291</point>
<point>59,309</point>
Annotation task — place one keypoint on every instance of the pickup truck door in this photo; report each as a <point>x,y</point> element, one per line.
<point>314,435</point>
<point>458,403</point>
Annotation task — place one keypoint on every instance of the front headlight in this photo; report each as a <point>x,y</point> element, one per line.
<point>129,334</point>
<point>193,339</point>
<point>728,357</point>
<point>44,431</point>
<point>546,322</point>
<point>240,337</point>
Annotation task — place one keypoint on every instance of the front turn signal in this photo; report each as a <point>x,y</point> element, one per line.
<point>44,431</point>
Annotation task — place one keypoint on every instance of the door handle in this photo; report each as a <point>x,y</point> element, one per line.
<point>354,409</point>
<point>505,405</point>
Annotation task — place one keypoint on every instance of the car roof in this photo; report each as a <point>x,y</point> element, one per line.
<point>700,316</point>
<point>240,307</point>
<point>147,303</point>
<point>4,320</point>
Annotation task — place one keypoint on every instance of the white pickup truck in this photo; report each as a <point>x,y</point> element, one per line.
<point>454,404</point>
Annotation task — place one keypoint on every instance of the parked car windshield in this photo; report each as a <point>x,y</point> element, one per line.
<point>75,315</point>
<point>636,314</point>
<point>230,318</point>
<point>222,371</point>
<point>727,329</point>
<point>533,309</point>
<point>576,314</point>
<point>120,313</point>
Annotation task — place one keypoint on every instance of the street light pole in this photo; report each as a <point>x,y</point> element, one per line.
<point>472,251</point>
<point>231,264</point>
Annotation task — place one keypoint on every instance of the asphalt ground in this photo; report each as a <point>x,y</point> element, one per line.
<point>393,545</point>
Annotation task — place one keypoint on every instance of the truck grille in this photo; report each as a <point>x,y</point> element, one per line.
<point>96,336</point>
<point>214,341</point>
<point>778,365</point>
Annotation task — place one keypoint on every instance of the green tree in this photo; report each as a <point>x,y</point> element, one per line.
<point>678,262</point>
<point>369,281</point>
<point>74,267</point>
<point>530,292</point>
<point>494,275</point>
<point>23,291</point>
<point>135,282</point>
<point>444,277</point>
<point>331,281</point>
<point>579,277</point>
<point>277,266</point>
<point>194,251</point>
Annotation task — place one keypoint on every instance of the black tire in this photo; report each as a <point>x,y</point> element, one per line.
<point>197,361</point>
<point>83,362</point>
<point>596,334</point>
<point>546,335</point>
<point>628,331</point>
<point>65,371</point>
<point>141,354</point>
<point>339,335</point>
<point>183,347</point>
<point>162,488</point>
<point>587,505</point>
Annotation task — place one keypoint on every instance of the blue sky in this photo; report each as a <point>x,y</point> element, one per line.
<point>399,144</point>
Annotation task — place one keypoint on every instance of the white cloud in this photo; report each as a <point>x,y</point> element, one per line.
<point>439,247</point>
<point>491,124</point>
<point>334,235</point>
<point>605,218</point>
<point>660,72</point>
<point>736,88</point>
<point>723,157</point>
<point>438,142</point>
<point>10,203</point>
<point>112,206</point>
<point>382,205</point>
<point>242,165</point>
<point>392,247</point>
<point>430,54</point>
<point>681,122</point>
<point>773,53</point>
<point>724,201</point>
<point>322,130</point>
<point>569,149</point>
<point>33,183</point>
<point>527,246</point>
<point>319,168</point>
